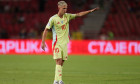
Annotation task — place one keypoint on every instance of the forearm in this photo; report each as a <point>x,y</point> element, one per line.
<point>83,13</point>
<point>86,12</point>
<point>44,35</point>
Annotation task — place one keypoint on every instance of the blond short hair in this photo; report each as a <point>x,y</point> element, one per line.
<point>61,3</point>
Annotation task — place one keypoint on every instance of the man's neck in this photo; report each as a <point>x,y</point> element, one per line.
<point>60,15</point>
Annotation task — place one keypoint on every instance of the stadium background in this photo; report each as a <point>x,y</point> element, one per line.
<point>113,34</point>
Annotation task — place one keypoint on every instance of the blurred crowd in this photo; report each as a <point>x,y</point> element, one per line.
<point>122,20</point>
<point>16,14</point>
<point>26,19</point>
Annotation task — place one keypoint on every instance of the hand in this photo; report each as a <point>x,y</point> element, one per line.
<point>97,8</point>
<point>43,46</point>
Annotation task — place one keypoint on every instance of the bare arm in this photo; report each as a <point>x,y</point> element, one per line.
<point>86,12</point>
<point>43,39</point>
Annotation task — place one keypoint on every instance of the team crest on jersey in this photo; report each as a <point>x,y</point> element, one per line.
<point>62,22</point>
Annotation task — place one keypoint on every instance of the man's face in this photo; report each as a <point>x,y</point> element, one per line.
<point>63,9</point>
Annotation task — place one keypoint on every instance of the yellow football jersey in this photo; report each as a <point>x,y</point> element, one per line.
<point>60,28</point>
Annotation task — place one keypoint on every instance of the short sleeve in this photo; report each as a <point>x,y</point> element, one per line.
<point>50,23</point>
<point>71,16</point>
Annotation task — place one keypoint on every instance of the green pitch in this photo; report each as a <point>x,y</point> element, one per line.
<point>29,69</point>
